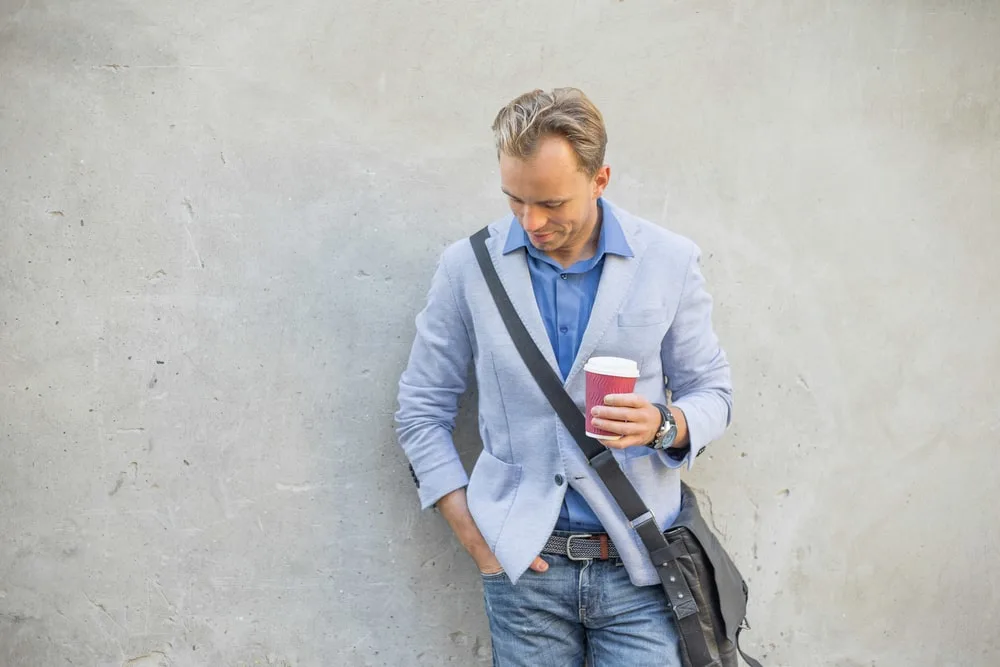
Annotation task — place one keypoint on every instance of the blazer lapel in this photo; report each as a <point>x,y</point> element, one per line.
<point>513,272</point>
<point>616,283</point>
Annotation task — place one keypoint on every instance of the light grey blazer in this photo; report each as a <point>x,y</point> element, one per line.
<point>652,307</point>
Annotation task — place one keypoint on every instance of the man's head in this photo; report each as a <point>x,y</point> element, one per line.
<point>551,149</point>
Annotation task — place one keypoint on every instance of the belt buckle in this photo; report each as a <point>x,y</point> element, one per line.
<point>569,546</point>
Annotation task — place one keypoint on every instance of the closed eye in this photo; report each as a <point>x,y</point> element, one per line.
<point>553,204</point>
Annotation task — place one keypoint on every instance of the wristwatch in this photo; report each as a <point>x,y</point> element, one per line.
<point>667,433</point>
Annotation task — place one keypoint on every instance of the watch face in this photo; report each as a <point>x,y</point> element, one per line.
<point>669,436</point>
<point>665,436</point>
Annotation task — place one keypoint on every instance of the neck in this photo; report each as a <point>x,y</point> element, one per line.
<point>585,246</point>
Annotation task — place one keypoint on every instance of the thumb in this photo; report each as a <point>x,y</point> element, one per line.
<point>539,565</point>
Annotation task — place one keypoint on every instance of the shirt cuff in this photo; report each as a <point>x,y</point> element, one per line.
<point>668,456</point>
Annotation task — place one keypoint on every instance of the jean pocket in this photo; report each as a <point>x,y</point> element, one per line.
<point>491,576</point>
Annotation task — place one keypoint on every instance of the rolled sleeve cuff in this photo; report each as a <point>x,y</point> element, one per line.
<point>700,431</point>
<point>434,484</point>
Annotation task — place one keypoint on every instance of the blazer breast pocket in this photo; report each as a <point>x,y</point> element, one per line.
<point>642,318</point>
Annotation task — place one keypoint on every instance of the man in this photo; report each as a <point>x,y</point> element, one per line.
<point>588,279</point>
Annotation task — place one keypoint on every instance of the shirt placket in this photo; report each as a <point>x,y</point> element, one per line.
<point>568,317</point>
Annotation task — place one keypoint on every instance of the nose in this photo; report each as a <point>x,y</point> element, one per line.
<point>532,219</point>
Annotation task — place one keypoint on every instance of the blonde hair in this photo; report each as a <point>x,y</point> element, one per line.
<point>563,112</point>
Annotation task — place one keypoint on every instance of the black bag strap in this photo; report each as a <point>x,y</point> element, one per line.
<point>750,661</point>
<point>603,461</point>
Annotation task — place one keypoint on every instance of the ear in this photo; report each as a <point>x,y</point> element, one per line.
<point>601,180</point>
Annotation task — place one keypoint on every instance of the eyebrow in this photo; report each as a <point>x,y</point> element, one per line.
<point>546,201</point>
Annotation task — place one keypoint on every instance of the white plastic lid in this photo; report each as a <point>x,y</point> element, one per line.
<point>616,366</point>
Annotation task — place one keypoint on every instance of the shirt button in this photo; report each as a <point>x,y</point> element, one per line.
<point>559,480</point>
<point>564,276</point>
<point>563,329</point>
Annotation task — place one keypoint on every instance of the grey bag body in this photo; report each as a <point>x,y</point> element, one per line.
<point>716,585</point>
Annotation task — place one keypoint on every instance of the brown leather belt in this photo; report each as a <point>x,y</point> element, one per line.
<point>581,546</point>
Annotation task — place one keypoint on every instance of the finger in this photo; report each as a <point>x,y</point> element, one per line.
<point>619,427</point>
<point>611,427</point>
<point>539,565</point>
<point>625,400</point>
<point>618,414</point>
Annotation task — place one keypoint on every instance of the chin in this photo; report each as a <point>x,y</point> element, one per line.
<point>552,243</point>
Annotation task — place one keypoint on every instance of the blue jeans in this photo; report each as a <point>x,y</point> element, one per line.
<point>579,610</point>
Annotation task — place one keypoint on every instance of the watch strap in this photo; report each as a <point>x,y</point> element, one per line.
<point>667,423</point>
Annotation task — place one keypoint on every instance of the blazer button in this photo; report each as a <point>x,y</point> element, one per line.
<point>559,480</point>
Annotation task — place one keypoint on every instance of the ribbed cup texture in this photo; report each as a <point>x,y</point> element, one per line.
<point>599,386</point>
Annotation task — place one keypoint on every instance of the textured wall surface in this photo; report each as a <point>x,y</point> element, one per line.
<point>218,219</point>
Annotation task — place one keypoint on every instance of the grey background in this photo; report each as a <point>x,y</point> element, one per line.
<point>218,220</point>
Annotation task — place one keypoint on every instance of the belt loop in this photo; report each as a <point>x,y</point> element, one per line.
<point>604,547</point>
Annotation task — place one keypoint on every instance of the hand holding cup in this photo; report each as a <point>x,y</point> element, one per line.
<point>615,415</point>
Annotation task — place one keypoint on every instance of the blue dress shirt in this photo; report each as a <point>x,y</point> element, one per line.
<point>565,297</point>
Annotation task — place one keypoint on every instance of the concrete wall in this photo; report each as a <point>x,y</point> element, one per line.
<point>218,220</point>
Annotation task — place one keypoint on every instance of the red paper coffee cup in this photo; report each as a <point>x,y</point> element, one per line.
<point>607,375</point>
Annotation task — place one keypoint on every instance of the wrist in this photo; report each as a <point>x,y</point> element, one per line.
<point>483,558</point>
<point>455,509</point>
<point>666,431</point>
<point>683,438</point>
<point>478,549</point>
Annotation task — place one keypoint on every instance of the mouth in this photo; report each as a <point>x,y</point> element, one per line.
<point>540,238</point>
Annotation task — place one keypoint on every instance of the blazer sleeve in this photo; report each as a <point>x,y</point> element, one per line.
<point>694,364</point>
<point>429,390</point>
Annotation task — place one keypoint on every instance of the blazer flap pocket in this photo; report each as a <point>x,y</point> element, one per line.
<point>490,494</point>
<point>642,318</point>
<point>492,478</point>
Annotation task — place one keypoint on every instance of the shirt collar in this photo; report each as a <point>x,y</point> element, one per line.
<point>612,239</point>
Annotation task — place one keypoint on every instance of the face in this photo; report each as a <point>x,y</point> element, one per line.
<point>554,201</point>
